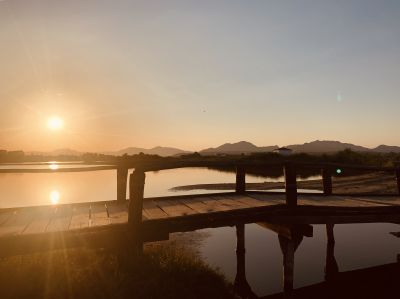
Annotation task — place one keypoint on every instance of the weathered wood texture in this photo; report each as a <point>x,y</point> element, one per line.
<point>122,177</point>
<point>327,180</point>
<point>135,215</point>
<point>155,218</point>
<point>290,185</point>
<point>240,179</point>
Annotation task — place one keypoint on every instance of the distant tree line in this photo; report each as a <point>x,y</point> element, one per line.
<point>343,157</point>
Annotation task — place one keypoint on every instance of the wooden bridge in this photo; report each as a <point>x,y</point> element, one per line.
<point>137,220</point>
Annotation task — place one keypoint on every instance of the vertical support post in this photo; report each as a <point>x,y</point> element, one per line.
<point>290,185</point>
<point>122,178</point>
<point>136,191</point>
<point>327,180</point>
<point>398,178</point>
<point>240,179</point>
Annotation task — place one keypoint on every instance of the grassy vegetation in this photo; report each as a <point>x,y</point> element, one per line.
<point>167,270</point>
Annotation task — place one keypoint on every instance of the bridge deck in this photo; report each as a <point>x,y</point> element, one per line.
<point>183,213</point>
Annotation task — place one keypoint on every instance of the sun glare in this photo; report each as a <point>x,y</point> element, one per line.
<point>53,166</point>
<point>55,123</point>
<point>54,197</point>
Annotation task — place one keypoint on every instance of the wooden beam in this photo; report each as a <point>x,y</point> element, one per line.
<point>290,185</point>
<point>327,180</point>
<point>136,191</point>
<point>240,179</point>
<point>122,177</point>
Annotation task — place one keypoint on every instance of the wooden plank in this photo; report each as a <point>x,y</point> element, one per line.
<point>80,217</point>
<point>250,201</point>
<point>386,200</point>
<point>6,215</point>
<point>197,205</point>
<point>61,219</point>
<point>17,222</point>
<point>230,202</point>
<point>271,199</point>
<point>40,221</point>
<point>152,210</point>
<point>175,208</point>
<point>336,201</point>
<point>117,211</point>
<point>215,205</point>
<point>98,215</point>
<point>145,216</point>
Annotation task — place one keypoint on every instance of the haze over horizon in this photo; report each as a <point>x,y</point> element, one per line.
<point>104,75</point>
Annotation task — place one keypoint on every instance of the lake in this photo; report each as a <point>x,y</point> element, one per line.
<point>357,246</point>
<point>22,189</point>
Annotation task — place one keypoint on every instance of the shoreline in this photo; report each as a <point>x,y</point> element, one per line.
<point>371,183</point>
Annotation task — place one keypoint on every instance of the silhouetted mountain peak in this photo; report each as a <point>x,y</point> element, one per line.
<point>238,148</point>
<point>325,146</point>
<point>383,148</point>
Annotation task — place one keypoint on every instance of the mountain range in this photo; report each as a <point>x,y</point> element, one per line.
<point>158,150</point>
<point>318,146</point>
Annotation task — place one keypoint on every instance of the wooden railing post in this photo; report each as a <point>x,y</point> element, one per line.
<point>240,179</point>
<point>327,180</point>
<point>398,178</point>
<point>290,185</point>
<point>136,192</point>
<point>122,177</point>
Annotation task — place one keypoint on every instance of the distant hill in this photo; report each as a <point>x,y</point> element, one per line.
<point>245,147</point>
<point>387,149</point>
<point>318,146</point>
<point>326,146</point>
<point>242,147</point>
<point>158,150</point>
<point>57,152</point>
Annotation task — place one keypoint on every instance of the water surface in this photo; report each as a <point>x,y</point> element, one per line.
<point>357,246</point>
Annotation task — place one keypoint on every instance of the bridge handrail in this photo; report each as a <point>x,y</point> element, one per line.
<point>156,166</point>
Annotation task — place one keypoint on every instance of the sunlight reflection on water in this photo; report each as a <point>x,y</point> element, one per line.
<point>54,197</point>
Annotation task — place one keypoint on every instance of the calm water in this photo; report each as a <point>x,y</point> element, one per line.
<point>24,189</point>
<point>357,246</point>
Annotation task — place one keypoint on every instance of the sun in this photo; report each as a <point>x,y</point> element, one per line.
<point>55,123</point>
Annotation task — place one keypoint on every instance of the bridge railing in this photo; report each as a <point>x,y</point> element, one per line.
<point>289,170</point>
<point>137,180</point>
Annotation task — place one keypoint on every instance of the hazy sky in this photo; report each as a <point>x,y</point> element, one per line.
<point>194,74</point>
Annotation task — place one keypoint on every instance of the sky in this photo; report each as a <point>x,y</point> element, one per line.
<point>196,74</point>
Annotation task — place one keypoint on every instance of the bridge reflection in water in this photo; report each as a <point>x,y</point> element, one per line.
<point>374,282</point>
